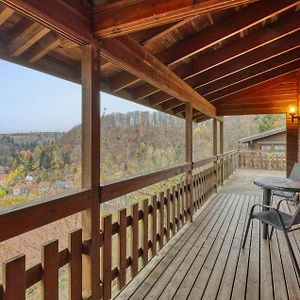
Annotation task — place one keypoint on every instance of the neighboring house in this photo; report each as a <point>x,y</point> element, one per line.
<point>20,191</point>
<point>272,140</point>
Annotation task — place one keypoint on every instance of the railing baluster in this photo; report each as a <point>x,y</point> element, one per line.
<point>182,202</point>
<point>135,239</point>
<point>161,219</point>
<point>14,278</point>
<point>75,265</point>
<point>178,206</point>
<point>145,232</point>
<point>50,264</point>
<point>122,248</point>
<point>168,219</point>
<point>154,225</point>
<point>173,198</point>
<point>107,255</point>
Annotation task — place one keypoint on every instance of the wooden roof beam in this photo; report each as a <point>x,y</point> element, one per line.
<point>250,72</point>
<point>233,50</point>
<point>123,79</point>
<point>130,55</point>
<point>244,74</point>
<point>60,70</point>
<point>27,38</point>
<point>245,61</point>
<point>43,47</point>
<point>5,14</point>
<point>69,18</point>
<point>112,19</point>
<point>230,26</point>
<point>287,68</point>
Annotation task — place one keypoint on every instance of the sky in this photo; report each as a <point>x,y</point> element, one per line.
<point>34,101</point>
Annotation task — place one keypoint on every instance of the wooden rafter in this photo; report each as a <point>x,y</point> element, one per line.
<point>218,32</point>
<point>243,67</point>
<point>27,38</point>
<point>250,72</point>
<point>5,14</point>
<point>287,68</point>
<point>247,60</point>
<point>130,55</point>
<point>246,18</point>
<point>45,45</point>
<point>259,54</point>
<point>123,79</point>
<point>61,70</point>
<point>70,20</point>
<point>113,20</point>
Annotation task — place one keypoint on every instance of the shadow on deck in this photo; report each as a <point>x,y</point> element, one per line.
<point>204,260</point>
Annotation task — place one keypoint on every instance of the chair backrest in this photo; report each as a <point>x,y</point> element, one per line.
<point>296,216</point>
<point>295,173</point>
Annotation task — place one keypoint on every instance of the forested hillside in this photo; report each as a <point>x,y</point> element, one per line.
<point>33,165</point>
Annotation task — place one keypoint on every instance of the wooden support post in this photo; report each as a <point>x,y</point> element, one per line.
<point>222,150</point>
<point>293,136</point>
<point>189,156</point>
<point>215,151</point>
<point>90,73</point>
<point>291,143</point>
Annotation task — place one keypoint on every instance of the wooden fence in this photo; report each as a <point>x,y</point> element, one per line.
<point>149,224</point>
<point>262,160</point>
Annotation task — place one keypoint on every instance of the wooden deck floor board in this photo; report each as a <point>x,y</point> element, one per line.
<point>227,281</point>
<point>183,260</point>
<point>189,261</point>
<point>205,260</point>
<point>253,276</point>
<point>216,276</point>
<point>221,242</point>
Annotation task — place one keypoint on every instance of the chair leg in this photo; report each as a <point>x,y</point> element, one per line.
<point>246,232</point>
<point>271,233</point>
<point>294,260</point>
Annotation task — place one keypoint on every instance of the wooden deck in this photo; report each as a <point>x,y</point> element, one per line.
<point>205,260</point>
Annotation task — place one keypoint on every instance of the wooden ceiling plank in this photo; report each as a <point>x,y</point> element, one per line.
<point>58,16</point>
<point>264,86</point>
<point>123,79</point>
<point>43,65</point>
<point>245,61</point>
<point>250,72</point>
<point>287,68</point>
<point>130,55</point>
<point>169,105</point>
<point>45,45</point>
<point>27,38</point>
<point>5,14</point>
<point>150,13</point>
<point>179,109</point>
<point>259,38</point>
<point>246,18</point>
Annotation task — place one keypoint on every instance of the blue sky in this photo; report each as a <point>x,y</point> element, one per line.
<point>33,101</point>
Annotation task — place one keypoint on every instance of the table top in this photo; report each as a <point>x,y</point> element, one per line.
<point>278,183</point>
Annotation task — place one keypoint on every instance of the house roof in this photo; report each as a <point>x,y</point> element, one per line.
<point>261,135</point>
<point>225,57</point>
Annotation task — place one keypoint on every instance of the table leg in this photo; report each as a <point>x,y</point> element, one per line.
<point>267,201</point>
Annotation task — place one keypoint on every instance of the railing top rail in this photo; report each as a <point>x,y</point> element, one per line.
<point>37,213</point>
<point>122,187</point>
<point>205,161</point>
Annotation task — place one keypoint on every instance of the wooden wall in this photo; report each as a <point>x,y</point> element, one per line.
<point>292,143</point>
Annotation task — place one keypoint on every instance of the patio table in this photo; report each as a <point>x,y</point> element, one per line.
<point>275,183</point>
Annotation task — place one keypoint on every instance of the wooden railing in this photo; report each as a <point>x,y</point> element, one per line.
<point>147,226</point>
<point>266,160</point>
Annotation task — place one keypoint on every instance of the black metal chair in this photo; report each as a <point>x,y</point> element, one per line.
<point>279,220</point>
